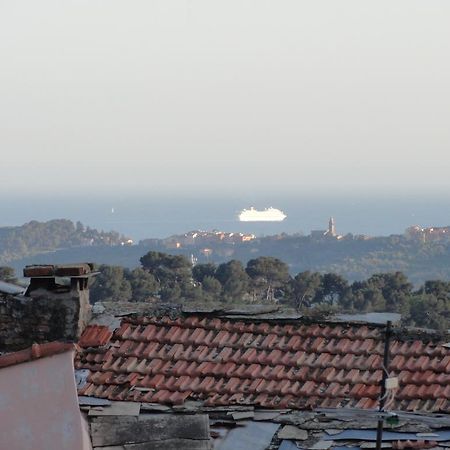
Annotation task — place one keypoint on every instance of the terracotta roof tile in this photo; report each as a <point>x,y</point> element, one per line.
<point>95,336</point>
<point>225,362</point>
<point>36,351</point>
<point>408,444</point>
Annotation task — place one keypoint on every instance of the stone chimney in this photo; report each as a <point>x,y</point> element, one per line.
<point>55,307</point>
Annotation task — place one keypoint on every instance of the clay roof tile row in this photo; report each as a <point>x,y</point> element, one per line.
<point>225,362</point>
<point>36,351</point>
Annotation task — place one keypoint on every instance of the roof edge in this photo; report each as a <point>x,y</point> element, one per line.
<point>36,351</point>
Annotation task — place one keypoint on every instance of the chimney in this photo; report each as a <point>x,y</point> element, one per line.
<point>55,307</point>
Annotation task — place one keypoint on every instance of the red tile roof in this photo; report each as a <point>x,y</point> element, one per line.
<point>95,336</point>
<point>36,351</point>
<point>226,362</point>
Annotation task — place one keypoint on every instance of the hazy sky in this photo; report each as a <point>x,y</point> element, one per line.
<point>236,94</point>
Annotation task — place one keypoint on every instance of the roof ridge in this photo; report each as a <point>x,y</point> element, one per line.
<point>36,351</point>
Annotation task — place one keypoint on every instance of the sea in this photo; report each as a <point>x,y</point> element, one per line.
<point>140,216</point>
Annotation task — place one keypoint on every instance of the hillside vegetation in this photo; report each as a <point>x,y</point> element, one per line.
<point>172,278</point>
<point>164,277</point>
<point>36,237</point>
<point>354,258</point>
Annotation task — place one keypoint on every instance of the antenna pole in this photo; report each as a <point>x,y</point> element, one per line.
<point>387,339</point>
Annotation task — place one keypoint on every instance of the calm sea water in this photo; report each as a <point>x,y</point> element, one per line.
<point>142,217</point>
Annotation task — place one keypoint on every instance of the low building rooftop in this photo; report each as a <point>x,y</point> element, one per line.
<point>271,363</point>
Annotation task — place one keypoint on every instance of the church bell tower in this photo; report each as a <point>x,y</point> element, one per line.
<point>331,227</point>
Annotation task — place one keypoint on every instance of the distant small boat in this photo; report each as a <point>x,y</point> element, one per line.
<point>266,215</point>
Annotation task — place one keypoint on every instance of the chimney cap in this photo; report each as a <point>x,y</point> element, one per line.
<point>79,270</point>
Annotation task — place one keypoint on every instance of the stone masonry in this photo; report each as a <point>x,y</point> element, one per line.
<point>53,309</point>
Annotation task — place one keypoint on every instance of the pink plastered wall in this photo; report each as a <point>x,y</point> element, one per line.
<point>39,406</point>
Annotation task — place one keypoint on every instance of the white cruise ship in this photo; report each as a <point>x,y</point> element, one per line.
<point>267,215</point>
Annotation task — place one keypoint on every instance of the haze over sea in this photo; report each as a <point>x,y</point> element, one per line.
<point>162,215</point>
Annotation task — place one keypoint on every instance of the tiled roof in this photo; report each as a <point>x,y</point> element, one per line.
<point>226,362</point>
<point>95,336</point>
<point>36,351</point>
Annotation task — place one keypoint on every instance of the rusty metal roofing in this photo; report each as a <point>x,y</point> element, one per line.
<point>36,351</point>
<point>270,365</point>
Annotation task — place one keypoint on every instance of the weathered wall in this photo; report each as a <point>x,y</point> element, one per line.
<point>44,316</point>
<point>39,406</point>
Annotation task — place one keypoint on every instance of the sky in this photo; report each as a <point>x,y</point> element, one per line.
<point>237,95</point>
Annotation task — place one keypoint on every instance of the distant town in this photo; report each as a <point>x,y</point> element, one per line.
<point>215,237</point>
<point>420,252</point>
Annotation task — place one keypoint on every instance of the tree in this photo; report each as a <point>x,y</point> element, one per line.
<point>200,271</point>
<point>268,274</point>
<point>305,286</point>
<point>111,284</point>
<point>234,280</point>
<point>440,289</point>
<point>363,296</point>
<point>7,274</point>
<point>167,267</point>
<point>170,293</point>
<point>426,310</point>
<point>333,288</point>
<point>172,272</point>
<point>395,288</point>
<point>211,287</point>
<point>79,227</point>
<point>143,284</point>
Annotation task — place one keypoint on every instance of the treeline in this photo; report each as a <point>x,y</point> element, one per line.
<point>352,257</point>
<point>37,237</point>
<point>172,278</point>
